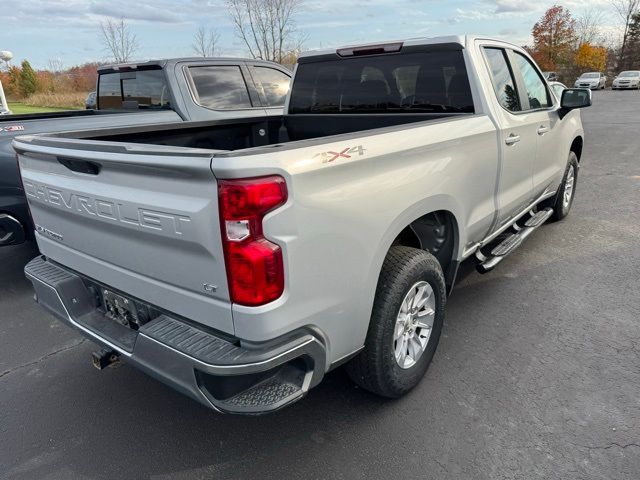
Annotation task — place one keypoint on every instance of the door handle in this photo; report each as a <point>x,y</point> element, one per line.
<point>511,139</point>
<point>542,129</point>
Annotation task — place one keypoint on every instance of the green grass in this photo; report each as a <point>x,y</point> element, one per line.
<point>20,108</point>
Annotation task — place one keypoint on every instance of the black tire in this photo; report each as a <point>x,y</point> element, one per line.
<point>560,208</point>
<point>375,368</point>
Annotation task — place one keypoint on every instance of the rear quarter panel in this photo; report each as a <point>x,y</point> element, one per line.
<point>343,214</point>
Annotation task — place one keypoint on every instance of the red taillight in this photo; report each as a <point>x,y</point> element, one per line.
<point>255,268</point>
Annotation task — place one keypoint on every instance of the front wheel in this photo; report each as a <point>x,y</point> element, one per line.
<point>405,325</point>
<point>562,201</point>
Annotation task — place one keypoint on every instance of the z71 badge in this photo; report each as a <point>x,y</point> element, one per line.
<point>347,152</point>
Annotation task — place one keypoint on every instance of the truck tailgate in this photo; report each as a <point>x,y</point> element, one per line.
<point>142,221</point>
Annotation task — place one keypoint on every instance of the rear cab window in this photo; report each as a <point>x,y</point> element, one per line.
<point>417,82</point>
<point>133,89</point>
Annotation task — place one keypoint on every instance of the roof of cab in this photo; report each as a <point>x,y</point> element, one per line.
<point>462,40</point>
<point>162,63</point>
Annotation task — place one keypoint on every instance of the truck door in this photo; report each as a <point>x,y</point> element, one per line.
<point>550,160</point>
<point>516,135</point>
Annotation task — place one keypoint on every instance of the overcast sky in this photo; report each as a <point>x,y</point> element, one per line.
<point>40,30</point>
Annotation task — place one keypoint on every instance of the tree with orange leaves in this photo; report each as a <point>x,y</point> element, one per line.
<point>553,38</point>
<point>591,59</point>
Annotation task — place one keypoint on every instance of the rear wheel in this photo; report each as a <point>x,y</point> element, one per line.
<point>405,325</point>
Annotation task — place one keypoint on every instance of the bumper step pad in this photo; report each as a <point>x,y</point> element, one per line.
<point>270,392</point>
<point>192,341</point>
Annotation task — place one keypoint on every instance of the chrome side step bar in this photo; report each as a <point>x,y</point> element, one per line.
<point>513,241</point>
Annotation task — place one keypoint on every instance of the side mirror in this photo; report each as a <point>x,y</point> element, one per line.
<point>573,98</point>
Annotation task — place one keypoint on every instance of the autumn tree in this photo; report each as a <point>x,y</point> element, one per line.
<point>590,58</point>
<point>28,83</point>
<point>266,27</point>
<point>12,85</point>
<point>83,77</point>
<point>553,38</point>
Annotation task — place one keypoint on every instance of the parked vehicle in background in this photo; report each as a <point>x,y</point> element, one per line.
<point>242,270</point>
<point>592,80</point>
<point>155,92</point>
<point>91,102</point>
<point>629,79</point>
<point>551,76</point>
<point>558,88</point>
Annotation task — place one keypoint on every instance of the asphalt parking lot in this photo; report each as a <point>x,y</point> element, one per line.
<point>537,374</point>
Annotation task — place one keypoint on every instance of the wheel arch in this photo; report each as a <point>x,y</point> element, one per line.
<point>402,233</point>
<point>436,232</point>
<point>576,146</point>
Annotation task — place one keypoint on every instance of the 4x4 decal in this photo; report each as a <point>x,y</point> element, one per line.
<point>12,128</point>
<point>348,152</point>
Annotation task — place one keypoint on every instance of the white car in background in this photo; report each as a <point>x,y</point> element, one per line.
<point>627,79</point>
<point>592,80</point>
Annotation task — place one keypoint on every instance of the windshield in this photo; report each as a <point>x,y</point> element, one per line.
<point>590,75</point>
<point>133,90</point>
<point>405,83</point>
<point>629,74</point>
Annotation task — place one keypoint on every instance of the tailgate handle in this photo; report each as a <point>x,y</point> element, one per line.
<point>80,166</point>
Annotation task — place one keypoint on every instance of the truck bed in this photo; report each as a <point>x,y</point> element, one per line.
<point>238,134</point>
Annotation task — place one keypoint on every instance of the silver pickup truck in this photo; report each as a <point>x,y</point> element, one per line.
<point>242,271</point>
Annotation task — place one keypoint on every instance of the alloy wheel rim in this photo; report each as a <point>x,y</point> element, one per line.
<point>568,187</point>
<point>414,324</point>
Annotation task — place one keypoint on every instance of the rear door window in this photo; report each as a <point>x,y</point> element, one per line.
<point>502,78</point>
<point>421,82</point>
<point>274,85</point>
<point>220,87</point>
